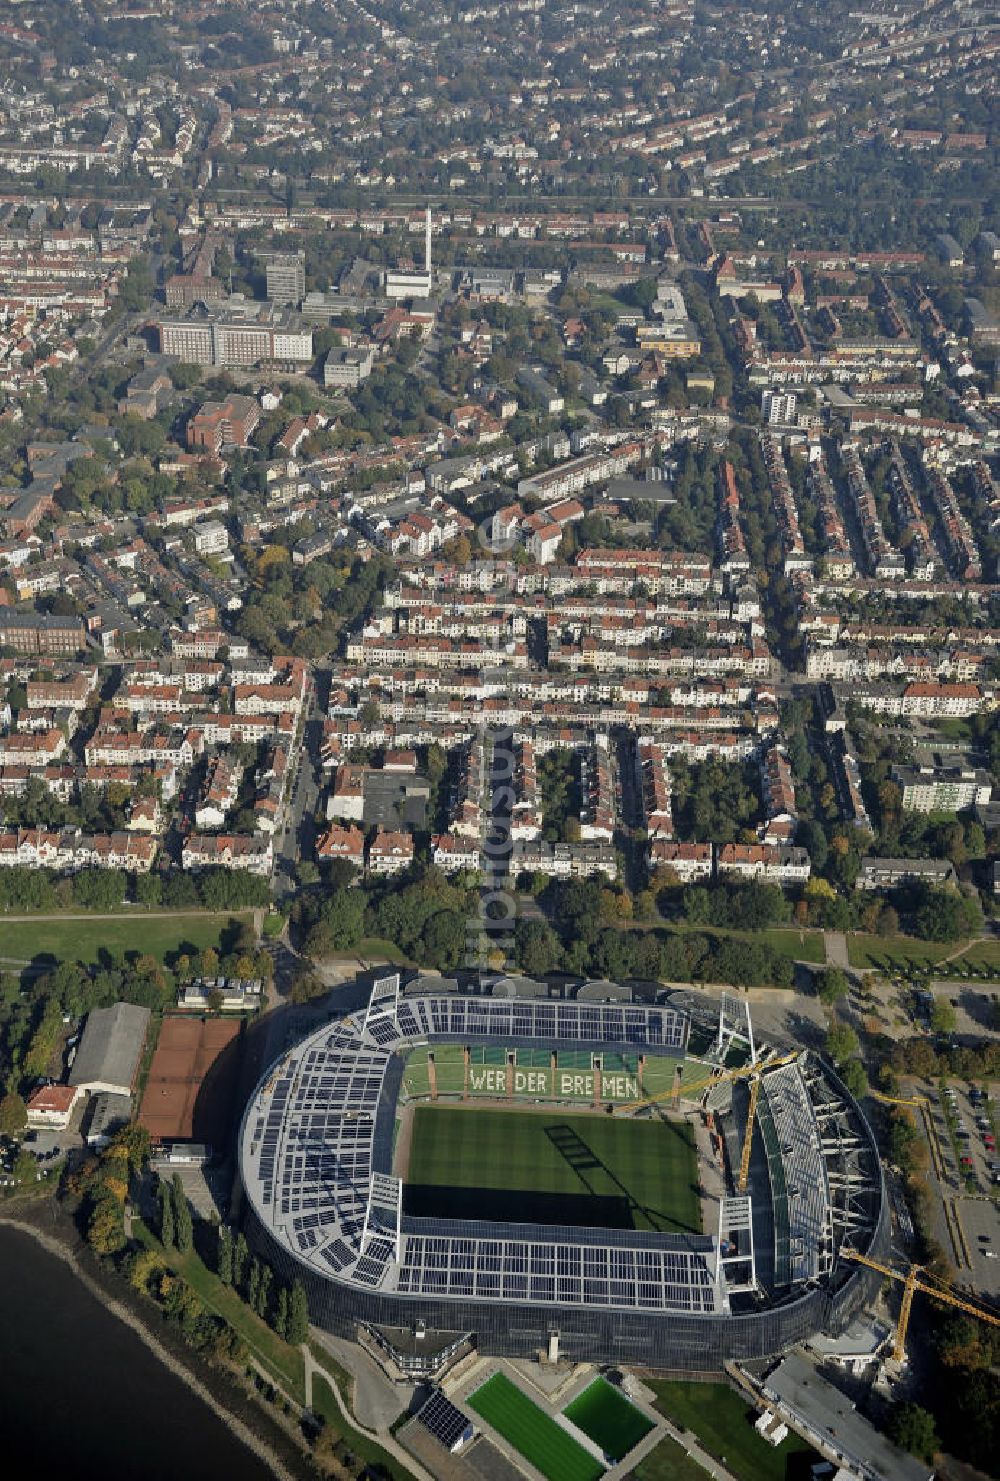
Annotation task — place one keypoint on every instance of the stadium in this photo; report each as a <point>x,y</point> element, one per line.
<point>565,1170</point>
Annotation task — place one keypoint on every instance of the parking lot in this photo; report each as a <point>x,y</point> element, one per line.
<point>981,1223</point>
<point>967,1211</point>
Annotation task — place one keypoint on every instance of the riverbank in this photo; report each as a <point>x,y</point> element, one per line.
<point>217,1390</point>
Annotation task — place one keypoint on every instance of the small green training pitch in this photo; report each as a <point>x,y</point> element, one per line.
<point>608,1418</point>
<point>532,1433</point>
<point>533,1167</point>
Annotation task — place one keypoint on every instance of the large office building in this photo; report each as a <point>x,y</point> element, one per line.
<point>242,335</point>
<point>286,277</point>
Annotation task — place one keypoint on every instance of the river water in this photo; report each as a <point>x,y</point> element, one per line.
<point>82,1396</point>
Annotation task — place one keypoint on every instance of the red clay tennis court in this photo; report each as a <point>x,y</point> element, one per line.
<point>189,1092</point>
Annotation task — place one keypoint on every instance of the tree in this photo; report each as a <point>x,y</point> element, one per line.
<point>13,1114</point>
<point>225,1256</point>
<point>25,1166</point>
<point>913,1429</point>
<point>536,946</point>
<point>209,962</point>
<point>241,1254</point>
<point>106,1227</point>
<point>183,1223</point>
<point>854,1077</point>
<point>841,1043</point>
<point>253,1283</point>
<point>166,1211</point>
<point>280,1322</point>
<point>264,1291</point>
<point>298,1314</point>
<point>943,1017</point>
<point>832,985</point>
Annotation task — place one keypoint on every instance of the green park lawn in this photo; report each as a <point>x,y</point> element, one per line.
<point>897,953</point>
<point>669,1462</point>
<point>284,1362</point>
<point>723,1424</point>
<point>83,940</point>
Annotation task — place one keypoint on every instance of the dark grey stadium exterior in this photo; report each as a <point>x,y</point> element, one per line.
<point>365,1263</point>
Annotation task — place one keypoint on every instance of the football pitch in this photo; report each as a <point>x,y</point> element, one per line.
<point>549,1448</point>
<point>552,1168</point>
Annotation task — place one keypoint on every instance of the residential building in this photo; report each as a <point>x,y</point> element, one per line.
<point>887,874</point>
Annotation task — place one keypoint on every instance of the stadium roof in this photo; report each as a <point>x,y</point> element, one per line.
<point>316,1149</point>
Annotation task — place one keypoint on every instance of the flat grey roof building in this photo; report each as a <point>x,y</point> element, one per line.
<point>823,1414</point>
<point>110,1050</point>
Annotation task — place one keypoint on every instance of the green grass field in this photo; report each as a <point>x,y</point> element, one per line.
<point>553,1168</point>
<point>82,940</point>
<point>897,953</point>
<point>669,1462</point>
<point>723,1424</point>
<point>532,1433</point>
<point>608,1418</point>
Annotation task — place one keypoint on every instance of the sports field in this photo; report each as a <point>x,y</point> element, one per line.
<point>608,1418</point>
<point>532,1433</point>
<point>552,1168</point>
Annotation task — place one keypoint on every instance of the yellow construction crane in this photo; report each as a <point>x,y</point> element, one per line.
<point>751,1072</point>
<point>899,1100</point>
<point>718,1077</point>
<point>741,1182</point>
<point>912,1283</point>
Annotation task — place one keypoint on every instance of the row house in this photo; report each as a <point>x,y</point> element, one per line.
<point>389,852</point>
<point>928,699</point>
<point>109,746</point>
<point>70,693</point>
<point>655,789</point>
<point>584,860</point>
<point>150,699</point>
<point>219,793</point>
<point>250,852</point>
<point>733,555</point>
<point>778,795</point>
<point>920,555</point>
<point>267,699</point>
<point>689,861</point>
<point>70,849</point>
<point>342,843</point>
<point>526,807</point>
<point>597,817</point>
<point>32,749</point>
<point>451,853</point>
<point>884,561</point>
<point>772,863</point>
<point>784,506</point>
<point>962,550</point>
<point>231,730</point>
